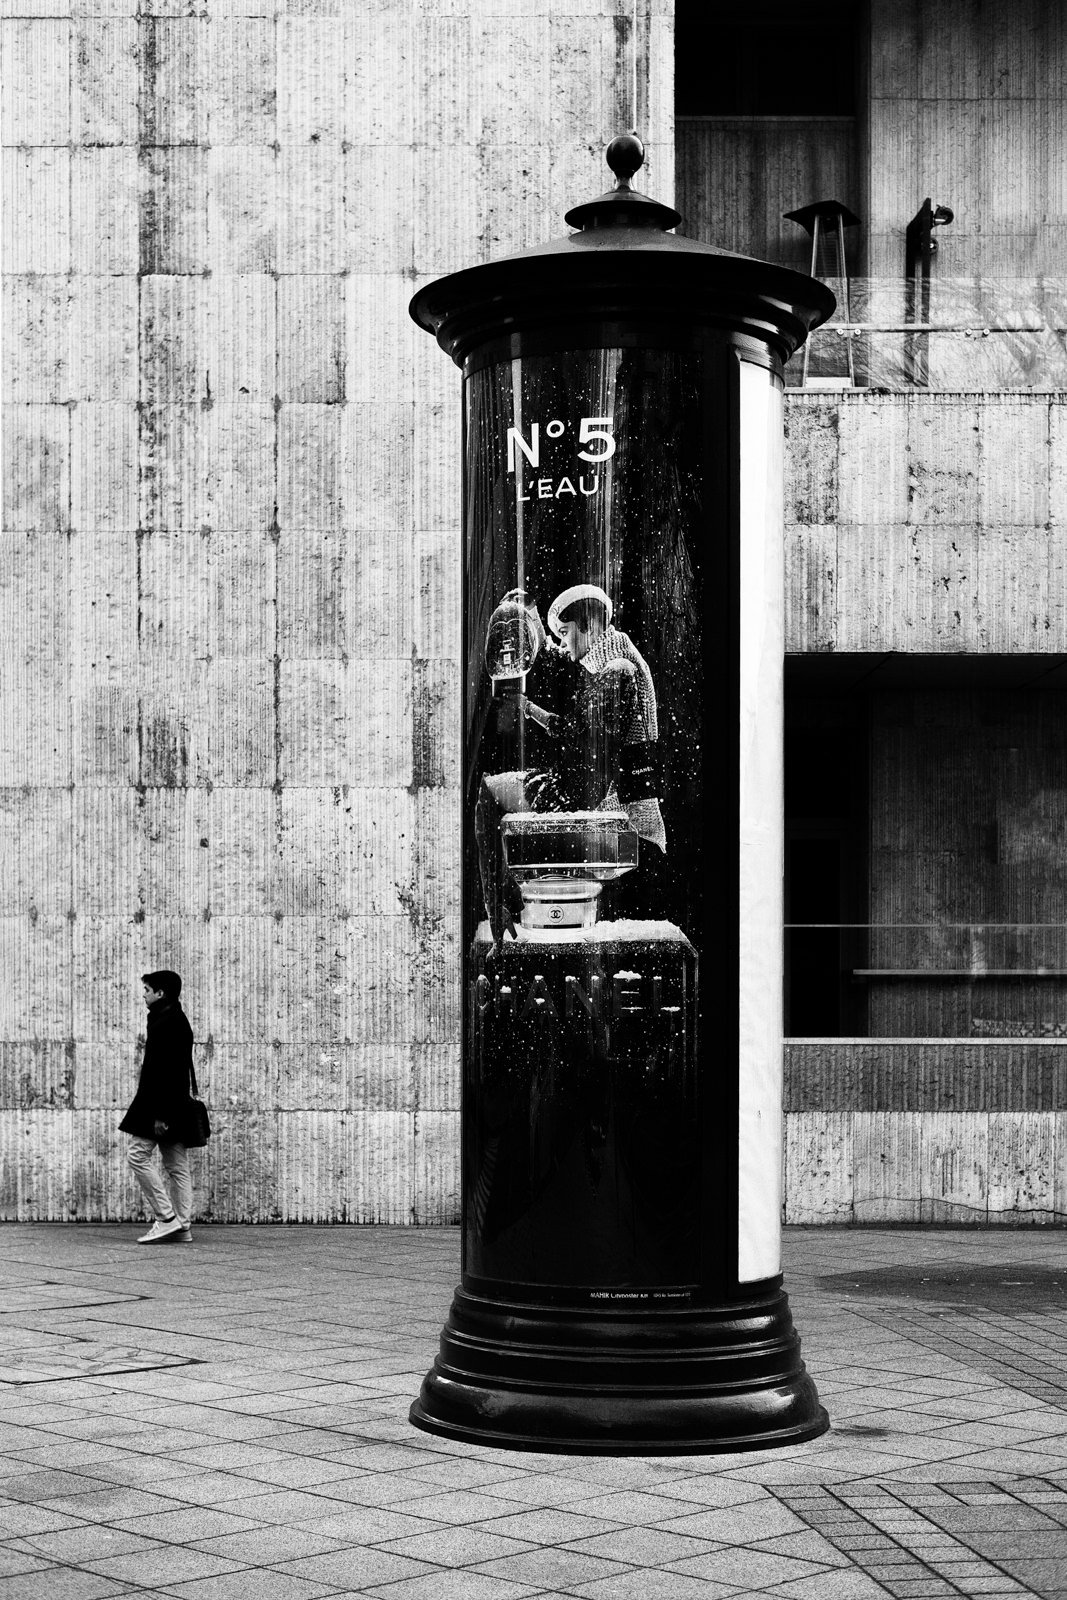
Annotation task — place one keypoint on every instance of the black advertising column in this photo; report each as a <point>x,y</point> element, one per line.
<point>622,798</point>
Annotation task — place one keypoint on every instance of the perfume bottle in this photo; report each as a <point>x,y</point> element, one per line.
<point>513,641</point>
<point>562,860</point>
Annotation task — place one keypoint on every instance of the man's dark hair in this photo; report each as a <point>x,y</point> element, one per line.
<point>168,984</point>
<point>585,612</point>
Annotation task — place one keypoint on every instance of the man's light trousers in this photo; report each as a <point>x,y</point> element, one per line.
<point>176,1195</point>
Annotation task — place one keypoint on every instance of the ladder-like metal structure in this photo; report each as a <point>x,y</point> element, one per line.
<point>826,221</point>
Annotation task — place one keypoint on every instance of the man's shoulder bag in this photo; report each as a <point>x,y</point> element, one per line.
<point>199,1121</point>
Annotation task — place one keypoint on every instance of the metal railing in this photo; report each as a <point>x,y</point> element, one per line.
<point>964,980</point>
<point>975,334</point>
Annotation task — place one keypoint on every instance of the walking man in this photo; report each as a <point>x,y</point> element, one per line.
<point>162,1112</point>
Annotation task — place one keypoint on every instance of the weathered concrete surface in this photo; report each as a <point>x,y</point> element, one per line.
<point>967,107</point>
<point>920,1166</point>
<point>229,571</point>
<point>926,522</point>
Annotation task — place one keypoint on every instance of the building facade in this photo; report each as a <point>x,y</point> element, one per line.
<point>925,788</point>
<point>229,569</point>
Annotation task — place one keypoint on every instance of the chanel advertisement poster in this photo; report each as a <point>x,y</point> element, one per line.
<point>583,863</point>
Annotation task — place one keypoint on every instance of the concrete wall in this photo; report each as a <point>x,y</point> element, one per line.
<point>738,176</point>
<point>229,561</point>
<point>229,568</point>
<point>934,523</point>
<point>951,1109</point>
<point>986,1167</point>
<point>961,101</point>
<point>967,106</point>
<point>926,522</point>
<point>931,523</point>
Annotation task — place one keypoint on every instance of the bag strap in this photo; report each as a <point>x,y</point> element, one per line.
<point>192,1074</point>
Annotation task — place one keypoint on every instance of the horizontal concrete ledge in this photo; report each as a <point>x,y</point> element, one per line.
<point>907,1044</point>
<point>926,1075</point>
<point>822,670</point>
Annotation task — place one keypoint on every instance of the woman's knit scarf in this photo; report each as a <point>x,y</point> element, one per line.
<point>614,645</point>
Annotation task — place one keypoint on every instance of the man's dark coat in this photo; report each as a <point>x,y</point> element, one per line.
<point>163,1090</point>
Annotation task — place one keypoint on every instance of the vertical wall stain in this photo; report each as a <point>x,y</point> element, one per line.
<point>149,196</point>
<point>431,727</point>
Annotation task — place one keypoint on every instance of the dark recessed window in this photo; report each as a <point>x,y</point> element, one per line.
<point>778,60</point>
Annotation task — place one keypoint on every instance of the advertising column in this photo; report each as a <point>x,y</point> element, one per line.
<point>622,813</point>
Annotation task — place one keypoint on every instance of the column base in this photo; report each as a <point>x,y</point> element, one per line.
<point>693,1380</point>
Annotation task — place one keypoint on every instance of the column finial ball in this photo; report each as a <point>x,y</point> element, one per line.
<point>624,155</point>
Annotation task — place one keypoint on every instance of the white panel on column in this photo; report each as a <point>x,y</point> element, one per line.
<point>760,846</point>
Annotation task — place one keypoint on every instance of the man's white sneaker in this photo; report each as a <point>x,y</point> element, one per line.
<point>183,1236</point>
<point>161,1230</point>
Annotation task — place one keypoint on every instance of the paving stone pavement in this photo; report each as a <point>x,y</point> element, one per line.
<point>229,1420</point>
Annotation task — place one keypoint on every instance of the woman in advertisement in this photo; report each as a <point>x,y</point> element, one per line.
<point>601,755</point>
